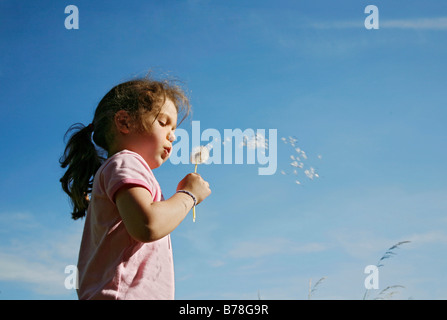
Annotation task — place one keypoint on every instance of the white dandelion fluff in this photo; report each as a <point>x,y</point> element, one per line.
<point>310,173</point>
<point>227,139</point>
<point>200,155</point>
<point>257,141</point>
<point>299,162</point>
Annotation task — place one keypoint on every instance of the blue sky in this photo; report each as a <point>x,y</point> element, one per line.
<point>367,107</point>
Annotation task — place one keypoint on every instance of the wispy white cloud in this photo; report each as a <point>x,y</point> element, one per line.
<point>265,247</point>
<point>337,24</point>
<point>43,278</point>
<point>36,256</point>
<point>430,237</point>
<point>439,23</point>
<point>417,23</point>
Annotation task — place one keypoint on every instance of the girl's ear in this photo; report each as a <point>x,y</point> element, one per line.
<point>122,121</point>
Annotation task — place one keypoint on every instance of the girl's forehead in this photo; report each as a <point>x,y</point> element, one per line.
<point>169,109</point>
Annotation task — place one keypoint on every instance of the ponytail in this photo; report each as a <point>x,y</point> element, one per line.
<point>82,161</point>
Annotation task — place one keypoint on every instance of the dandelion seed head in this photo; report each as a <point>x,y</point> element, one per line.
<point>200,155</point>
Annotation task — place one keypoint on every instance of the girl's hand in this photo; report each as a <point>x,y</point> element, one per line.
<point>195,184</point>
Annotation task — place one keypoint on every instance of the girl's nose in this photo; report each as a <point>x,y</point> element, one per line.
<point>171,137</point>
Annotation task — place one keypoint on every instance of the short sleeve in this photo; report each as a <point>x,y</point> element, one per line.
<point>124,169</point>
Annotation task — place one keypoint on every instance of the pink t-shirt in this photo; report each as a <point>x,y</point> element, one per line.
<point>113,265</point>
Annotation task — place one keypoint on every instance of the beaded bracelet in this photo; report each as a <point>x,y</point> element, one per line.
<point>190,194</point>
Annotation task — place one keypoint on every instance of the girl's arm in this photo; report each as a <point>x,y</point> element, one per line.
<point>148,221</point>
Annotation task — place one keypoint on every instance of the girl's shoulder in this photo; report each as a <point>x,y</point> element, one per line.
<point>125,167</point>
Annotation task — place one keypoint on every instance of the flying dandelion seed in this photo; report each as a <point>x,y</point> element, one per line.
<point>299,162</point>
<point>199,155</point>
<point>227,139</point>
<point>310,173</point>
<point>258,141</point>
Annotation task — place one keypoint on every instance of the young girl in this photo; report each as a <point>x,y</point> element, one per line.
<point>126,249</point>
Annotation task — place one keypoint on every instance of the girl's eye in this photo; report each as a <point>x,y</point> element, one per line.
<point>161,123</point>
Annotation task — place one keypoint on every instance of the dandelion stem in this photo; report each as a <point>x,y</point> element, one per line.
<point>199,155</point>
<point>194,208</point>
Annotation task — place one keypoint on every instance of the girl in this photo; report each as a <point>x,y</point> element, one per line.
<point>126,249</point>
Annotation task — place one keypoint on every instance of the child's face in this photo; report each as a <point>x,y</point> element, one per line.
<point>155,146</point>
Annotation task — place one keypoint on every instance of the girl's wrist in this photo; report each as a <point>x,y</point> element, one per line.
<point>189,194</point>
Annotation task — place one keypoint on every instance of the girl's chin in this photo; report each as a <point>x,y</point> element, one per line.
<point>155,163</point>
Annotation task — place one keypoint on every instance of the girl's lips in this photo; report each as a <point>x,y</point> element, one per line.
<point>167,151</point>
